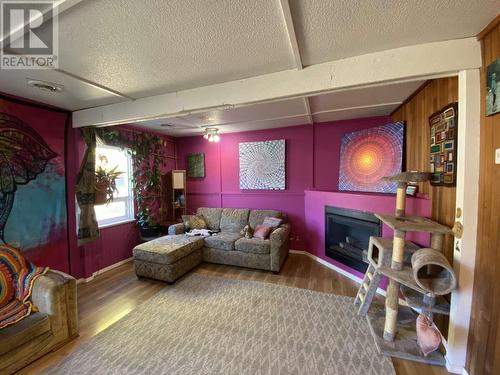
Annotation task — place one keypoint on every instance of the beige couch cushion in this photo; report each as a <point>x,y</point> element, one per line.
<point>167,249</point>
<point>222,241</point>
<point>23,331</point>
<point>234,219</point>
<point>253,245</point>
<point>257,216</point>
<point>211,216</point>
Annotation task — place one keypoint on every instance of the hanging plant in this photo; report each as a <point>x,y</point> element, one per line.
<point>105,181</point>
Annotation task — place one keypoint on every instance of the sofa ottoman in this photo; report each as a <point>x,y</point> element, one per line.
<point>230,247</point>
<point>167,258</point>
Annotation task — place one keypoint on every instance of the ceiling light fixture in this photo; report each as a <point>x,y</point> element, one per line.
<point>45,86</point>
<point>212,134</point>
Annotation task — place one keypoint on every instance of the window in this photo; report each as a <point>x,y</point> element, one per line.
<point>122,207</point>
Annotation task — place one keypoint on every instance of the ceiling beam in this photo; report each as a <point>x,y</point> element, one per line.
<point>392,104</point>
<point>307,104</point>
<point>406,63</point>
<point>309,114</point>
<point>290,29</point>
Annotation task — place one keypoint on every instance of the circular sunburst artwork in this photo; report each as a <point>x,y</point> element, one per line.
<point>368,155</point>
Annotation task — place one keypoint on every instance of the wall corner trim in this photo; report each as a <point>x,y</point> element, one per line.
<point>103,270</point>
<point>452,368</point>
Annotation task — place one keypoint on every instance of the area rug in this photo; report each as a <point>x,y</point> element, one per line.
<point>208,325</point>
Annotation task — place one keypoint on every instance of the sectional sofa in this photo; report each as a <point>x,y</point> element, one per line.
<point>230,247</point>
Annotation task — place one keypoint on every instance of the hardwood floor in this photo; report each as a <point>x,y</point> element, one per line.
<point>114,294</point>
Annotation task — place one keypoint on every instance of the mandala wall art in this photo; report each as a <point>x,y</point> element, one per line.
<point>262,165</point>
<point>443,147</point>
<point>33,184</point>
<point>368,155</point>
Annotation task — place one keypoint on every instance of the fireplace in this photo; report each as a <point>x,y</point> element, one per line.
<point>347,233</point>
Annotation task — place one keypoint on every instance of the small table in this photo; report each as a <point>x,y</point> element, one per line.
<point>167,258</point>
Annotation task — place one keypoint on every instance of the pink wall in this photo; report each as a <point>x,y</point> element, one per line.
<point>327,137</point>
<point>315,202</point>
<point>51,124</point>
<point>312,161</point>
<point>116,242</point>
<point>107,250</point>
<point>220,187</point>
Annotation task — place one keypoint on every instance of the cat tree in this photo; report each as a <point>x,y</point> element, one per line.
<point>422,275</point>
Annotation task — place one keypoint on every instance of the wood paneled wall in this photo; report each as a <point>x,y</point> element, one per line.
<point>483,352</point>
<point>434,95</point>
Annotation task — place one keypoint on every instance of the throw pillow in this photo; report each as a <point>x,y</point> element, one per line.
<point>262,231</point>
<point>428,336</point>
<point>272,222</point>
<point>194,222</point>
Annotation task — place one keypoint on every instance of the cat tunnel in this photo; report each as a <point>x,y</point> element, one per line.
<point>432,271</point>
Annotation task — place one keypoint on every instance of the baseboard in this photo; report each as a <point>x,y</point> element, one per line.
<point>102,270</point>
<point>453,368</point>
<point>335,268</point>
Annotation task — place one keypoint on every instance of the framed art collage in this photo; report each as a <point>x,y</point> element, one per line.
<point>443,145</point>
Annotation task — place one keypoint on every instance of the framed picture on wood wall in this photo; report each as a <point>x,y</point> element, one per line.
<point>443,145</point>
<point>492,90</point>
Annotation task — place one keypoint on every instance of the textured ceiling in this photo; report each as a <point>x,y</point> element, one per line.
<point>144,48</point>
<point>334,29</point>
<point>77,94</point>
<point>114,51</point>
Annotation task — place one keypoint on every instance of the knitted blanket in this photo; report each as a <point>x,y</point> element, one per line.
<point>16,282</point>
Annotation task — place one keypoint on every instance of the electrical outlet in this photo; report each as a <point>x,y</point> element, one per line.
<point>497,156</point>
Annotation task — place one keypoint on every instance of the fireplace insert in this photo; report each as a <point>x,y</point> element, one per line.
<point>347,233</point>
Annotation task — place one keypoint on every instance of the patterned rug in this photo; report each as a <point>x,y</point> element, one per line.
<point>207,325</point>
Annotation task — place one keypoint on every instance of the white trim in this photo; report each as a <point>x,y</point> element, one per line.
<point>465,372</point>
<point>467,199</point>
<point>114,224</point>
<point>102,270</point>
<point>450,367</point>
<point>335,268</point>
<point>390,66</point>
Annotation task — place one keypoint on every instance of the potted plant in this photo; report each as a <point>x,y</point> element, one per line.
<point>146,153</point>
<point>105,182</point>
<point>148,226</point>
<point>146,179</point>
